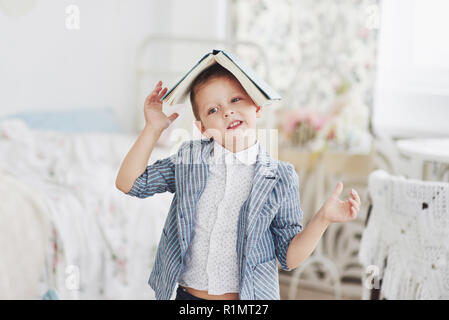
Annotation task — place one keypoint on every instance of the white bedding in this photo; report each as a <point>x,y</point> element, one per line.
<point>100,236</point>
<point>24,238</point>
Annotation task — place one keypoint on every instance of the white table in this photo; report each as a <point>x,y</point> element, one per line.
<point>427,154</point>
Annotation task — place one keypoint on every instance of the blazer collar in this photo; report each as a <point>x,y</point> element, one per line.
<point>222,155</point>
<point>265,165</point>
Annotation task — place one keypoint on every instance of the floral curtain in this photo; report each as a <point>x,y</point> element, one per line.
<point>322,59</point>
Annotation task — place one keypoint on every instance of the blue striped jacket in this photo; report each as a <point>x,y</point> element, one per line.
<point>268,219</point>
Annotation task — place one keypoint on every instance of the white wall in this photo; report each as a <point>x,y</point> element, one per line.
<point>45,66</point>
<point>199,17</point>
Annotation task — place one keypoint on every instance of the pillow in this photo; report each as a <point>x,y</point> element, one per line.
<point>81,120</point>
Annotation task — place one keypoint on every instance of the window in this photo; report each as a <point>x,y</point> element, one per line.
<point>412,85</point>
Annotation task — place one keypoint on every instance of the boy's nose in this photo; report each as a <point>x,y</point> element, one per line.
<point>228,112</point>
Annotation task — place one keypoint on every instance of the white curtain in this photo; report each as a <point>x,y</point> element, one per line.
<point>412,86</point>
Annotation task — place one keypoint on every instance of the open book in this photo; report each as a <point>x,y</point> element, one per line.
<point>257,89</point>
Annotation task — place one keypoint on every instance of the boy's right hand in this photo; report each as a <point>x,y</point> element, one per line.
<point>154,116</point>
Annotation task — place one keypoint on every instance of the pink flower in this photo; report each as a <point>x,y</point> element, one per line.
<point>304,115</point>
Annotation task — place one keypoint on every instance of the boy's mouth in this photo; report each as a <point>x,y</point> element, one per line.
<point>234,124</point>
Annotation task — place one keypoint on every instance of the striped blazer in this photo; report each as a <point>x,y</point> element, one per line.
<point>268,219</point>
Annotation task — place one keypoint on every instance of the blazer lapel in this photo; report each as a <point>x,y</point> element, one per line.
<point>265,178</point>
<point>194,173</point>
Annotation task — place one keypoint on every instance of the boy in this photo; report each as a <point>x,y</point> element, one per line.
<point>235,209</point>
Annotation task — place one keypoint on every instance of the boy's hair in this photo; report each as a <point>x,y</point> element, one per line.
<point>214,71</point>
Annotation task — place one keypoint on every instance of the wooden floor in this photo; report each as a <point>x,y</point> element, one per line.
<point>305,294</point>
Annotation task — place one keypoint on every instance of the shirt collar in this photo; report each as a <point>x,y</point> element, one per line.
<point>247,156</point>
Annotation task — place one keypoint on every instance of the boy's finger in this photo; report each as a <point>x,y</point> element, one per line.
<point>173,116</point>
<point>161,94</point>
<point>353,197</point>
<point>354,212</point>
<point>158,87</point>
<point>150,96</point>
<point>356,196</point>
<point>157,90</point>
<point>354,204</point>
<point>338,189</point>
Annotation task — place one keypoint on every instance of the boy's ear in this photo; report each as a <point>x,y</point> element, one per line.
<point>200,126</point>
<point>258,111</point>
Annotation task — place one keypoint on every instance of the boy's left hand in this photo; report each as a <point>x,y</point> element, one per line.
<point>335,210</point>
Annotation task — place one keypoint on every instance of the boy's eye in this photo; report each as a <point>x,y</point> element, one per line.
<point>236,99</point>
<point>211,110</point>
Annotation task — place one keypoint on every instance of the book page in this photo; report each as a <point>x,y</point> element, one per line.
<point>181,89</point>
<point>255,94</point>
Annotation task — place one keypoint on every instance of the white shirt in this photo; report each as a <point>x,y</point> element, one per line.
<point>211,260</point>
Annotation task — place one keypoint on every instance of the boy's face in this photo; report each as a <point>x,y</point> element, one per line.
<point>221,101</point>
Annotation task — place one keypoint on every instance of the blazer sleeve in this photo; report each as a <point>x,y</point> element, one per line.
<point>287,223</point>
<point>157,178</point>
